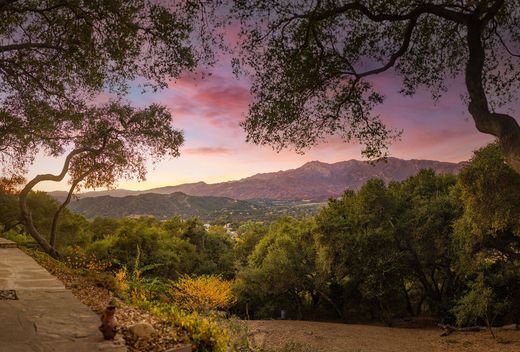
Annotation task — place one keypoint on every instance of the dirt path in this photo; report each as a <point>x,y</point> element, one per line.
<point>332,337</point>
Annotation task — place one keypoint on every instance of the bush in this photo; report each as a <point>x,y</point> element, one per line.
<point>203,293</point>
<point>204,333</point>
<point>478,303</point>
<point>102,279</point>
<point>136,289</point>
<point>17,235</point>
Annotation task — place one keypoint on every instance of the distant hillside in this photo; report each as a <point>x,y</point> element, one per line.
<point>313,181</point>
<point>162,206</point>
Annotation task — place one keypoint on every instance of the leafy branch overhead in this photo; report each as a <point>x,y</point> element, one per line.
<point>58,56</point>
<point>313,64</point>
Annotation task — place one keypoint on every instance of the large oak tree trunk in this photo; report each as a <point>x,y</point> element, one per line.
<point>502,126</point>
<point>57,215</point>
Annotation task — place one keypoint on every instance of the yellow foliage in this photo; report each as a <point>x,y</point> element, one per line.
<point>121,280</point>
<point>203,293</point>
<point>204,334</point>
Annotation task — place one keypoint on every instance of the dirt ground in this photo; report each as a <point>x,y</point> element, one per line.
<point>332,337</point>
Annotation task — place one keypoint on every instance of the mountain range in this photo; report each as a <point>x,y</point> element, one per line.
<point>314,181</point>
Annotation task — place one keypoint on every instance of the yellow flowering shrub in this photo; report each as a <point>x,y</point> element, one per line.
<point>121,280</point>
<point>203,333</point>
<point>203,293</point>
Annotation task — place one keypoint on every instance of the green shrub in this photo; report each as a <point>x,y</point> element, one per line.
<point>203,332</point>
<point>17,235</point>
<point>104,280</point>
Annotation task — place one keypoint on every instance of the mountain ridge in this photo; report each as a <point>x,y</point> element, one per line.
<point>314,180</point>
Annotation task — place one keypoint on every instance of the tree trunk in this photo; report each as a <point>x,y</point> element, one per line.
<point>418,310</point>
<point>56,218</point>
<point>490,327</point>
<point>29,225</point>
<point>24,209</point>
<point>334,305</point>
<point>502,126</point>
<point>409,308</point>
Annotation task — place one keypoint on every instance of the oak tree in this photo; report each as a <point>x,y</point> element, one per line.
<point>105,144</point>
<point>312,62</point>
<point>59,59</point>
<point>60,54</point>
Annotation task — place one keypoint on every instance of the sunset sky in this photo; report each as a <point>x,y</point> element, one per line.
<point>209,111</point>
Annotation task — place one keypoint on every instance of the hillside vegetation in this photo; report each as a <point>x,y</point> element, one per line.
<point>162,206</point>
<point>441,246</point>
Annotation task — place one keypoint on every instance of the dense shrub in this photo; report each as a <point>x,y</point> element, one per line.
<point>202,293</point>
<point>204,333</point>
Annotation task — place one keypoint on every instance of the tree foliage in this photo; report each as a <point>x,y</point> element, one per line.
<point>312,65</point>
<point>58,56</point>
<point>418,247</point>
<point>107,143</point>
<point>59,59</point>
<point>281,270</point>
<point>487,233</point>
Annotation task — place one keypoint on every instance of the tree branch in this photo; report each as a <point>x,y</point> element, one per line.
<point>28,45</point>
<point>24,209</point>
<point>502,126</point>
<point>493,10</point>
<point>432,9</point>
<point>504,44</point>
<point>400,52</point>
<point>63,205</point>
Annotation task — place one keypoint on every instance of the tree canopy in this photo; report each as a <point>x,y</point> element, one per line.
<point>60,59</point>
<point>312,63</point>
<point>107,143</point>
<point>58,56</point>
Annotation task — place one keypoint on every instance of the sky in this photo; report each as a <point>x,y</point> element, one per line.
<point>209,111</point>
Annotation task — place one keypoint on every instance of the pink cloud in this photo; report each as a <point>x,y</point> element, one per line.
<point>219,100</point>
<point>207,151</point>
<point>224,97</point>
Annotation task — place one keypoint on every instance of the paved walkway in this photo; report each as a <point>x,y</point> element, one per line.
<point>46,317</point>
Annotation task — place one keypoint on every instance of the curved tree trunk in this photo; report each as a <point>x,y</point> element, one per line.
<point>502,126</point>
<point>56,218</point>
<point>25,212</point>
<point>31,229</point>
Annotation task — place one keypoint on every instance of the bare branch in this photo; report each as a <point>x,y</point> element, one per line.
<point>504,43</point>
<point>432,9</point>
<point>400,52</point>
